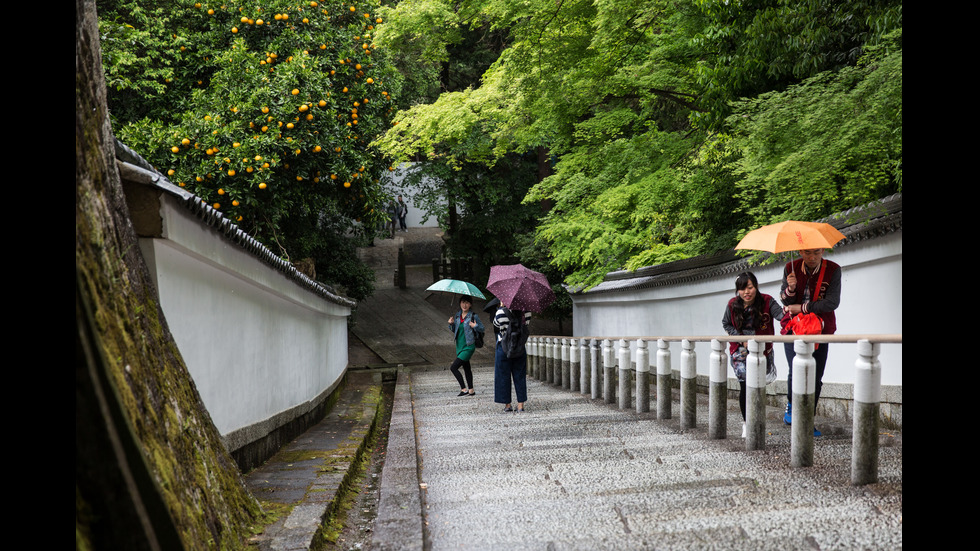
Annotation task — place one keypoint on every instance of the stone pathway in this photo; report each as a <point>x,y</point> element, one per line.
<point>573,473</point>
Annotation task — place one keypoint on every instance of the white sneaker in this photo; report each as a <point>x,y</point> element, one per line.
<point>744,433</point>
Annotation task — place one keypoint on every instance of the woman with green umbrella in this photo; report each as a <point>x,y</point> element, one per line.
<point>465,325</point>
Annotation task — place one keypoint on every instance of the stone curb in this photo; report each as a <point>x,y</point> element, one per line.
<point>325,475</point>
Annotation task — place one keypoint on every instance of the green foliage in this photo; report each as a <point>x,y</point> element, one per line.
<point>264,108</point>
<point>829,144</point>
<point>764,45</point>
<point>635,102</point>
<point>487,201</point>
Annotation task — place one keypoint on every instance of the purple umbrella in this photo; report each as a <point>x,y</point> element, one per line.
<point>520,288</point>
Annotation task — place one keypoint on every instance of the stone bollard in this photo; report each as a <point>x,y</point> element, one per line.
<point>718,391</point>
<point>608,372</point>
<point>664,396</point>
<point>804,388</point>
<point>642,377</point>
<point>583,345</point>
<point>595,365</point>
<point>539,361</point>
<point>532,355</point>
<point>566,365</point>
<point>689,385</point>
<point>867,406</point>
<point>573,365</point>
<point>625,379</point>
<point>556,362</point>
<point>549,354</point>
<point>755,396</point>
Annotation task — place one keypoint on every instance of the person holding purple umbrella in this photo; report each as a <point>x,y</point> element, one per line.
<point>510,357</point>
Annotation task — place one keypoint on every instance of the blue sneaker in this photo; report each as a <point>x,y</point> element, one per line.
<point>788,416</point>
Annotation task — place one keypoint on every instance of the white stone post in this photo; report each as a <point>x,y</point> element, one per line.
<point>718,391</point>
<point>804,389</point>
<point>584,354</point>
<point>573,365</point>
<point>556,361</point>
<point>867,405</point>
<point>595,365</point>
<point>566,357</point>
<point>755,396</point>
<point>689,385</point>
<point>664,396</point>
<point>532,354</point>
<point>608,372</point>
<point>642,377</point>
<point>549,352</point>
<point>625,380</point>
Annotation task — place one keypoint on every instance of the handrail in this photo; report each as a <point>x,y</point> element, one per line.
<point>567,361</point>
<point>875,338</point>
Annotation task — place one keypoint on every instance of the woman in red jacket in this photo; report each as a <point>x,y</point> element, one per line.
<point>750,313</point>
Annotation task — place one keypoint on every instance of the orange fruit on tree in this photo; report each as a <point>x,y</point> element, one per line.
<point>262,185</point>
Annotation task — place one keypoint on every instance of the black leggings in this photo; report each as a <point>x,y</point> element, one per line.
<point>466,369</point>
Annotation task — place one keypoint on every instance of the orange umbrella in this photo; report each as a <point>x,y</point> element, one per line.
<point>791,236</point>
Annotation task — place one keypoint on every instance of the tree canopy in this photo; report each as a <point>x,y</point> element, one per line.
<point>265,109</point>
<point>670,127</point>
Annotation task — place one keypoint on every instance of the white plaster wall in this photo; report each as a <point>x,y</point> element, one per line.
<point>255,342</point>
<point>871,303</point>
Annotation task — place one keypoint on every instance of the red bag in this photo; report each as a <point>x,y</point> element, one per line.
<point>804,324</point>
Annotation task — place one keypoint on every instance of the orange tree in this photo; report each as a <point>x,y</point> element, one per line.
<point>264,109</point>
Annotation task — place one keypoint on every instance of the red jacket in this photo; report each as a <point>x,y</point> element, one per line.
<point>822,302</point>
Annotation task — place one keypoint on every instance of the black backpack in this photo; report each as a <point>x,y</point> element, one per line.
<point>516,334</point>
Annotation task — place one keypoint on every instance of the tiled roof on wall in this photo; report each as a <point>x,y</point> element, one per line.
<point>858,224</point>
<point>214,219</point>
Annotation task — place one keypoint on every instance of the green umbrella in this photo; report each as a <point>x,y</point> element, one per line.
<point>456,286</point>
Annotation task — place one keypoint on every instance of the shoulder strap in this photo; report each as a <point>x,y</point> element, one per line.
<point>816,291</point>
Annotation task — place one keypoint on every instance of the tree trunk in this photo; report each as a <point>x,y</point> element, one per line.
<point>150,469</point>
